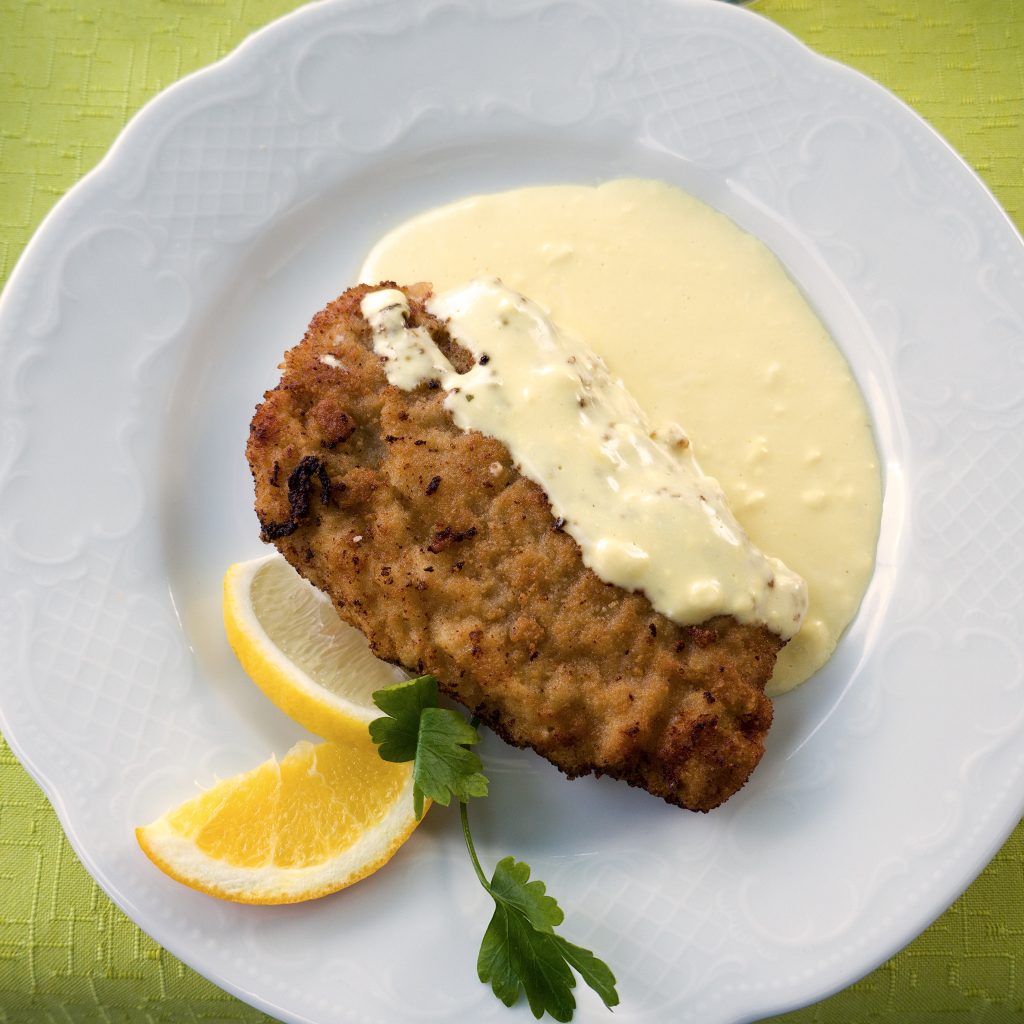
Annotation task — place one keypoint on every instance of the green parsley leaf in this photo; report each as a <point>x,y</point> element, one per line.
<point>521,952</point>
<point>435,739</point>
<point>398,734</point>
<point>494,962</point>
<point>511,884</point>
<point>596,973</point>
<point>444,766</point>
<point>514,955</point>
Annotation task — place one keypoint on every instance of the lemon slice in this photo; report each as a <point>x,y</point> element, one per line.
<point>317,669</point>
<point>323,817</point>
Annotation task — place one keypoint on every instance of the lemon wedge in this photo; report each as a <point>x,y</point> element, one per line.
<point>323,817</point>
<point>317,669</point>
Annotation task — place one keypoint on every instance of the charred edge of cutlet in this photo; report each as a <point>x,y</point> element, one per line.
<point>299,483</point>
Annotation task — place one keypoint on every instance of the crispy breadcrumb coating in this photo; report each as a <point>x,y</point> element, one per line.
<point>430,542</point>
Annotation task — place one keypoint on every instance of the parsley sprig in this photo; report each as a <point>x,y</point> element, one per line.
<point>435,739</point>
<point>520,949</point>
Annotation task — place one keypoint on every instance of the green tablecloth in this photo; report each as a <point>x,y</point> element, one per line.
<point>71,73</point>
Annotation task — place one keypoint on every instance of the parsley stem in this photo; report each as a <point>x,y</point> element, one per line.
<point>464,814</point>
<point>467,835</point>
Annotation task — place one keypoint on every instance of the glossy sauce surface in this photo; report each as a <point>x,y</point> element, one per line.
<point>705,329</point>
<point>632,497</point>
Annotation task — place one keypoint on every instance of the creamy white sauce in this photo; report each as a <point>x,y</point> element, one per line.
<point>635,500</point>
<point>704,327</point>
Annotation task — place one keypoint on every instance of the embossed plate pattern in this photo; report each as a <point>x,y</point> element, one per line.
<point>148,314</point>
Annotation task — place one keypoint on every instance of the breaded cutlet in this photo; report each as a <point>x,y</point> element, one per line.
<point>429,541</point>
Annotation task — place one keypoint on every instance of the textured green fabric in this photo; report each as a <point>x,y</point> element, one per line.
<point>71,73</point>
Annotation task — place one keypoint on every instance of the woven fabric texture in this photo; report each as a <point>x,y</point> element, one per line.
<point>71,73</point>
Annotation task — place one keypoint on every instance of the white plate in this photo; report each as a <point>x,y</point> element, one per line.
<point>148,314</point>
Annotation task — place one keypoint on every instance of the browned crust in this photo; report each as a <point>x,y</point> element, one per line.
<point>429,541</point>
